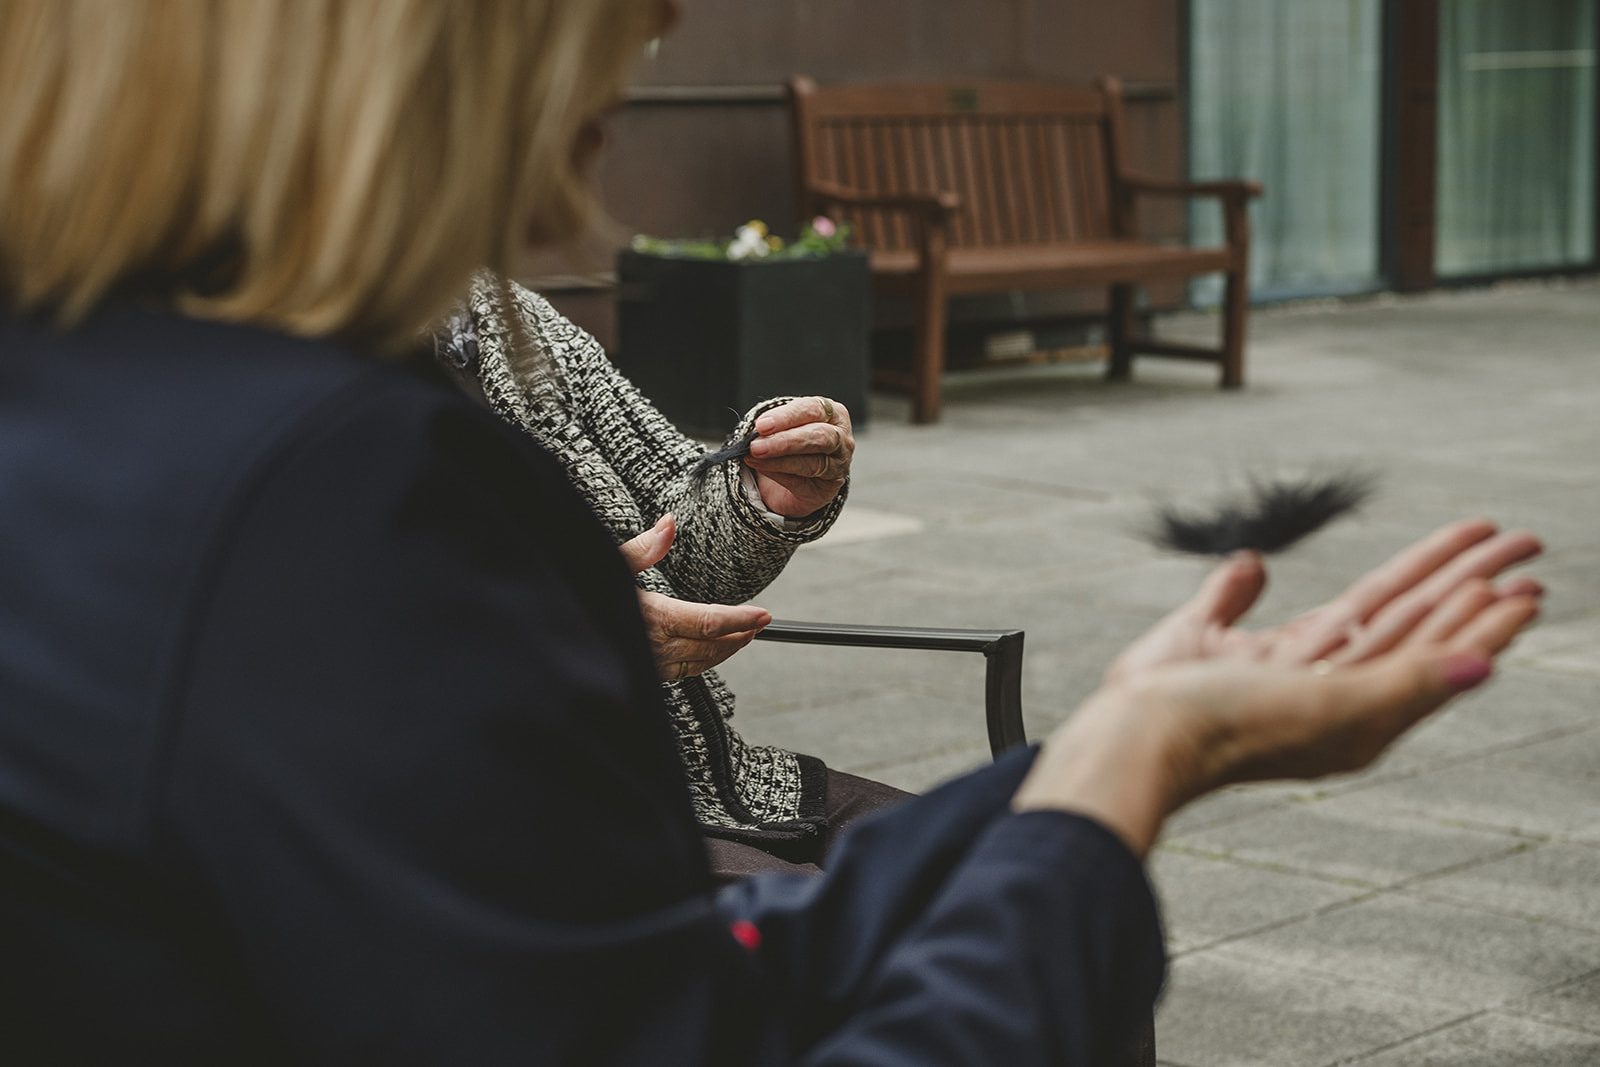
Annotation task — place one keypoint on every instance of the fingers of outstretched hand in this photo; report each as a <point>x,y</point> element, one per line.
<point>800,411</point>
<point>1382,699</point>
<point>1472,570</point>
<point>1493,629</point>
<point>1369,707</point>
<point>650,547</point>
<point>1405,586</point>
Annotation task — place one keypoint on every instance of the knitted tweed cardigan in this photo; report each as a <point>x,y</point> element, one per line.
<point>555,382</point>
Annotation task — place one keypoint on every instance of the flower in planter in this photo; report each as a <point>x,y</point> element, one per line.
<point>749,241</point>
<point>752,241</point>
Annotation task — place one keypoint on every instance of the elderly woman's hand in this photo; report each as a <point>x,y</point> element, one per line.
<point>802,458</point>
<point>1416,593</point>
<point>687,638</point>
<point>1138,750</point>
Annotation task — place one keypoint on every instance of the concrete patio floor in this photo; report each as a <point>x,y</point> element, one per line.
<point>1442,908</point>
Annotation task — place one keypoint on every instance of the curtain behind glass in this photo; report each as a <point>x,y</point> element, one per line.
<point>1288,92</point>
<point>1516,135</point>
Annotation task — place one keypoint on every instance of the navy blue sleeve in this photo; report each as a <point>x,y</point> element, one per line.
<point>950,930</point>
<point>421,792</point>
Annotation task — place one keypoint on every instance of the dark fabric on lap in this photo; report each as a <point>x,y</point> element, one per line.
<point>848,798</point>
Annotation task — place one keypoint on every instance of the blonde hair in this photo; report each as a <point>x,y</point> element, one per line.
<point>325,167</point>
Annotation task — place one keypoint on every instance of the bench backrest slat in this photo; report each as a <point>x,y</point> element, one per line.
<point>1032,163</point>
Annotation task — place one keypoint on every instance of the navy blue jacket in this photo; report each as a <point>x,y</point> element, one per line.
<point>328,733</point>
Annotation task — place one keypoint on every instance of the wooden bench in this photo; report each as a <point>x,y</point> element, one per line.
<point>992,188</point>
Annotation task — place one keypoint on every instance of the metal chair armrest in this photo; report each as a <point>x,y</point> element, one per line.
<point>1001,649</point>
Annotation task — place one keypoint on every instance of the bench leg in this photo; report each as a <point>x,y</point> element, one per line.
<point>1119,332</point>
<point>928,369</point>
<point>1235,315</point>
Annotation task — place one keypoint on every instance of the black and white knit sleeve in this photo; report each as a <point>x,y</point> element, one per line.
<point>729,545</point>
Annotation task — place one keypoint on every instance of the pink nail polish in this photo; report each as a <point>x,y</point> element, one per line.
<point>1467,670</point>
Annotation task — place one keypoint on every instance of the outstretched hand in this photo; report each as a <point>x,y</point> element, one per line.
<point>1425,591</point>
<point>686,638</point>
<point>802,458</point>
<point>1198,703</point>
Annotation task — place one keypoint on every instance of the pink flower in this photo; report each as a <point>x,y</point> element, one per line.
<point>823,226</point>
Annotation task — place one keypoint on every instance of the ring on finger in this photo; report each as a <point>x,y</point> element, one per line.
<point>1321,667</point>
<point>827,409</point>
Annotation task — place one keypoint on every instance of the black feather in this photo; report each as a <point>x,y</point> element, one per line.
<point>737,448</point>
<point>1273,516</point>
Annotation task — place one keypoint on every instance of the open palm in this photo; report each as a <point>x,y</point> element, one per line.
<point>1427,592</point>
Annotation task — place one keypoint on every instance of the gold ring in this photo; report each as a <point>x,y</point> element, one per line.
<point>1322,666</point>
<point>827,408</point>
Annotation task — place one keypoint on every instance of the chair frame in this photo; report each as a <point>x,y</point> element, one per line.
<point>1001,650</point>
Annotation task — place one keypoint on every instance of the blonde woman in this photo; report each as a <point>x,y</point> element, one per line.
<point>328,726</point>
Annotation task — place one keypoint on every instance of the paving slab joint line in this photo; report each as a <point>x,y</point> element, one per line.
<point>1181,849</point>
<point>1408,1039</point>
<point>1512,1006</point>
<point>1381,777</point>
<point>1504,913</point>
<point>1413,893</point>
<point>1278,924</point>
<point>1520,847</point>
<point>1299,969</point>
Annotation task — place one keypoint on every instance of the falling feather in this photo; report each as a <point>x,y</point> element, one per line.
<point>1271,517</point>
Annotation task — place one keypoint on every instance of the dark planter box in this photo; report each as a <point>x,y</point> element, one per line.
<point>707,339</point>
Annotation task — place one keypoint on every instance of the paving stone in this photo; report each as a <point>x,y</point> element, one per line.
<point>1494,1040</point>
<point>1206,900</point>
<point>1519,705</point>
<point>1573,578</point>
<point>1546,881</point>
<point>1574,755</point>
<point>1572,646</point>
<point>1226,806</point>
<point>856,525</point>
<point>923,773</point>
<point>881,728</point>
<point>1221,1011</point>
<point>1575,1004</point>
<point>1490,792</point>
<point>1332,839</point>
<point>1427,948</point>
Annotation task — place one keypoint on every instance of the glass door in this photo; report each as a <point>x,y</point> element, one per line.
<point>1516,177</point>
<point>1289,93</point>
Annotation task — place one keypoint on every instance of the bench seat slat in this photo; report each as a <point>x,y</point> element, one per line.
<point>1051,266</point>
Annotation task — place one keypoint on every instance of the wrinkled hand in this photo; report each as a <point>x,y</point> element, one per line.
<point>802,458</point>
<point>1140,749</point>
<point>1423,591</point>
<point>686,638</point>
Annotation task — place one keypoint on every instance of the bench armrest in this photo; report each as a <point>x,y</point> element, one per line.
<point>1001,649</point>
<point>935,207</point>
<point>1235,189</point>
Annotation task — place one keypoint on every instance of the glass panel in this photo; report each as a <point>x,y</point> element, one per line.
<point>1288,92</point>
<point>1516,135</point>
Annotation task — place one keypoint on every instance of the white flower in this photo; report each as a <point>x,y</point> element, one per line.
<point>748,243</point>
